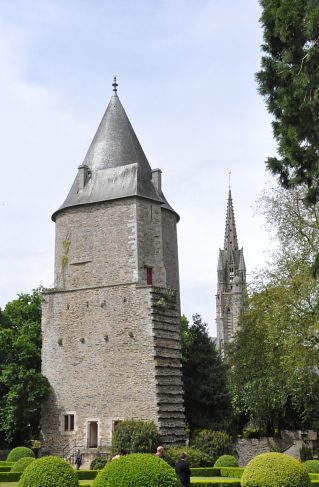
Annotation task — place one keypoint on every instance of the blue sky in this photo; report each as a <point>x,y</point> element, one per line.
<point>185,70</point>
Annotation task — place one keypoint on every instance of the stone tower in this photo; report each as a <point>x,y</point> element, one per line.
<point>231,282</point>
<point>111,324</point>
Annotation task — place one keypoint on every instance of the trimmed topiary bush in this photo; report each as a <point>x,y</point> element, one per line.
<point>195,458</point>
<point>135,436</point>
<point>22,464</point>
<point>226,461</point>
<point>19,452</point>
<point>275,470</point>
<point>98,463</point>
<point>137,470</point>
<point>312,466</point>
<point>49,472</point>
<point>213,443</point>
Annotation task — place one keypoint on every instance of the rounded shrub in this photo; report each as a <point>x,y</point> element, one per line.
<point>312,466</point>
<point>98,463</point>
<point>213,443</point>
<point>275,470</point>
<point>137,470</point>
<point>195,458</point>
<point>226,461</point>
<point>49,472</point>
<point>22,464</point>
<point>20,452</point>
<point>135,436</point>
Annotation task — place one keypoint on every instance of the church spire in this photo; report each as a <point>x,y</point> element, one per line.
<point>231,283</point>
<point>230,241</point>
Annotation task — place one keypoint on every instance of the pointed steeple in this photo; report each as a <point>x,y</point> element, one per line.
<point>115,165</point>
<point>230,241</point>
<point>231,281</point>
<point>241,265</point>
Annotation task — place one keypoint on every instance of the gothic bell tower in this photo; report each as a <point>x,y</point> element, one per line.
<point>231,282</point>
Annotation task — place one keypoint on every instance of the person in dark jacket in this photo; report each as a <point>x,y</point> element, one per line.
<point>183,471</point>
<point>78,460</point>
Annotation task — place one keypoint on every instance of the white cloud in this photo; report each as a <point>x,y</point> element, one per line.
<point>186,74</point>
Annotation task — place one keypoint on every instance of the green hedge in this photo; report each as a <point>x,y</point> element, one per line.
<point>205,472</point>
<point>229,472</point>
<point>10,476</point>
<point>86,474</point>
<point>232,472</point>
<point>216,482</point>
<point>5,468</point>
<point>5,463</point>
<point>314,476</point>
<point>7,476</point>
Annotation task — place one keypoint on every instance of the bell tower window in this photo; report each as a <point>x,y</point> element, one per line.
<point>231,274</point>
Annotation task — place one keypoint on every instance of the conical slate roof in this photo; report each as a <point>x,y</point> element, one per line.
<point>115,165</point>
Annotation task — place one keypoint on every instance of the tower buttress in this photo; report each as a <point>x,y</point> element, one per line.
<point>231,281</point>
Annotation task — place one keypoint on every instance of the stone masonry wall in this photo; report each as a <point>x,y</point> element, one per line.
<point>149,241</point>
<point>170,251</point>
<point>96,245</point>
<point>98,354</point>
<point>289,442</point>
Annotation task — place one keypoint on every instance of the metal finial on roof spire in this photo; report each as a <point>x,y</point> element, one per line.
<point>115,85</point>
<point>229,175</point>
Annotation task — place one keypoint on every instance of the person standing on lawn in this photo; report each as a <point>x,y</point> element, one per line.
<point>183,471</point>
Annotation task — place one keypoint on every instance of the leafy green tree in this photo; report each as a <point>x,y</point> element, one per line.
<point>289,81</point>
<point>213,443</point>
<point>206,396</point>
<point>274,373</point>
<point>22,386</point>
<point>295,225</point>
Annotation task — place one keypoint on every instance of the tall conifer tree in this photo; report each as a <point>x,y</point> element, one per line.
<point>289,81</point>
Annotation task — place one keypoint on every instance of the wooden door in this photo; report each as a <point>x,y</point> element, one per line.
<point>93,434</point>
